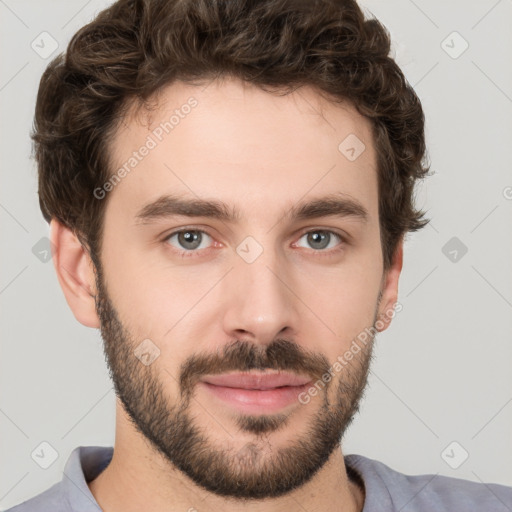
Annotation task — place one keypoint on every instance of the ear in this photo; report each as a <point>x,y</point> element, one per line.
<point>389,289</point>
<point>75,272</point>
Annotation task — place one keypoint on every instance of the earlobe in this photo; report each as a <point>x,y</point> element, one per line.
<point>75,272</point>
<point>390,289</point>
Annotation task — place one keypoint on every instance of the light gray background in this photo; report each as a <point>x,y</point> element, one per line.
<point>442,370</point>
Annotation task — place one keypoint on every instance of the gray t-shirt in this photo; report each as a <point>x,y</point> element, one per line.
<point>386,490</point>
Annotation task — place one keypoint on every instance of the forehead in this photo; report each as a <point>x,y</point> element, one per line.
<point>243,145</point>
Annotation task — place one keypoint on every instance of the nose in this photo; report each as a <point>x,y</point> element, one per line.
<point>260,304</point>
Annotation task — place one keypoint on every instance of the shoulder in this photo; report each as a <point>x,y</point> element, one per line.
<point>420,493</point>
<point>71,492</point>
<point>53,499</point>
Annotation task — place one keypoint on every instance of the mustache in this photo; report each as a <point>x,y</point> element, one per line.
<point>243,356</point>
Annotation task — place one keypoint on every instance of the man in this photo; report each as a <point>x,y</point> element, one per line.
<point>229,185</point>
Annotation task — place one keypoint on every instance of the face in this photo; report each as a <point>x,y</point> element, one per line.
<point>274,270</point>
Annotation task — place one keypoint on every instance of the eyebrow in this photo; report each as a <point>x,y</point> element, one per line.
<point>333,205</point>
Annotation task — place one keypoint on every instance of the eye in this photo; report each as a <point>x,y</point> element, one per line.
<point>321,239</point>
<point>188,239</point>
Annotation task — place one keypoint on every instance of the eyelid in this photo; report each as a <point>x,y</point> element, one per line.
<point>202,229</point>
<point>345,237</point>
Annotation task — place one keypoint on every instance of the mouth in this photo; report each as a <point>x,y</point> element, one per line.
<point>256,393</point>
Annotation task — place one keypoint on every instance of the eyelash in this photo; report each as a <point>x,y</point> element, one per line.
<point>197,252</point>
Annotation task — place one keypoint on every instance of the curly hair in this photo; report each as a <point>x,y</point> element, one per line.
<point>134,48</point>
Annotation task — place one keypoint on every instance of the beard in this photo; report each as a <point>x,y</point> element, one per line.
<point>246,473</point>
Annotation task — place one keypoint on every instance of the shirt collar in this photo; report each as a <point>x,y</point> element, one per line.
<point>85,463</point>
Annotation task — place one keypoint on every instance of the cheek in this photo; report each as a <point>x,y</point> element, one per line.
<point>141,294</point>
<point>345,297</point>
<point>162,303</point>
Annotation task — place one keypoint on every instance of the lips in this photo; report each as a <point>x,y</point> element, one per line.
<point>255,381</point>
<point>256,393</point>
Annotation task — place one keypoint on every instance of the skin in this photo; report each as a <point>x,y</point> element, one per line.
<point>261,153</point>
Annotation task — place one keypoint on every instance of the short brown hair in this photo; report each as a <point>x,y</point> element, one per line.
<point>134,48</point>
